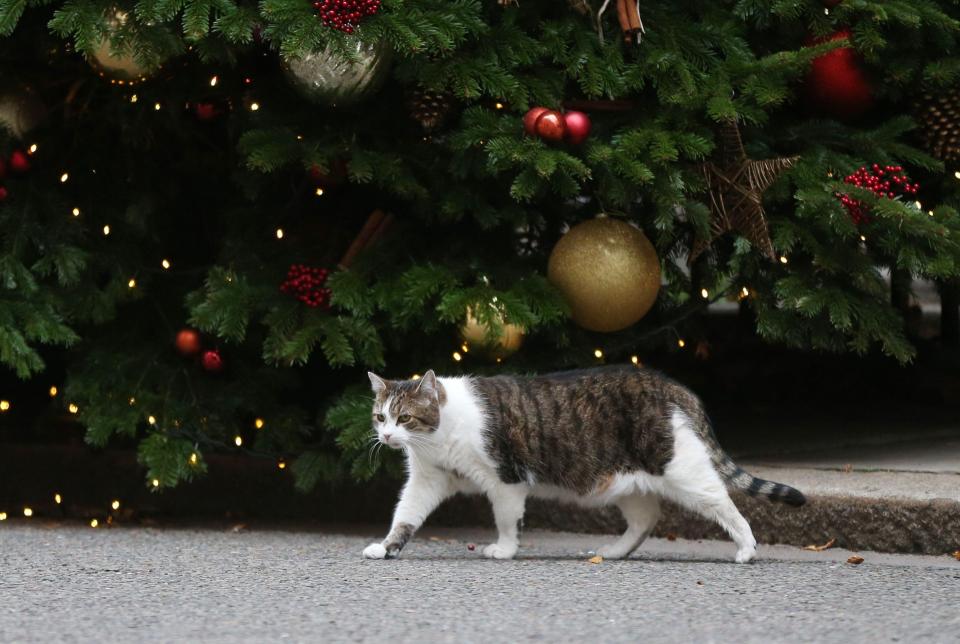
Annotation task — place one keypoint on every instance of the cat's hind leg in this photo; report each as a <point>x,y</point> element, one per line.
<point>642,511</point>
<point>691,480</point>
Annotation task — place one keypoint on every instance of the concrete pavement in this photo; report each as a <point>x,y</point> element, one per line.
<point>163,585</point>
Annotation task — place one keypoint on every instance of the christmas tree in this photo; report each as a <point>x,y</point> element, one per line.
<point>216,216</point>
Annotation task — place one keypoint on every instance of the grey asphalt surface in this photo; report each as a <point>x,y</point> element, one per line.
<point>72,583</point>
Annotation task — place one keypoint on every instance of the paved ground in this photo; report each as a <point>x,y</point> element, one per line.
<point>162,585</point>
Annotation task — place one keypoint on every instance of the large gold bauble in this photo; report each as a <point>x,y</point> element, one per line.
<point>478,336</point>
<point>330,79</point>
<point>122,65</point>
<point>608,272</point>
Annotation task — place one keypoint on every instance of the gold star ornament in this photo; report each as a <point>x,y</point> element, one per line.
<point>736,185</point>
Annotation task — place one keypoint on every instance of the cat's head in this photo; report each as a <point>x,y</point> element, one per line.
<point>406,412</point>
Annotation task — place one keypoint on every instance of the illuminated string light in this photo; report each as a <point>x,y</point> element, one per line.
<point>704,293</point>
<point>597,353</point>
<point>213,81</point>
<point>64,177</point>
<point>32,149</point>
<point>930,213</point>
<point>319,192</point>
<point>115,505</point>
<point>457,356</point>
<point>499,105</point>
<point>94,523</point>
<point>465,347</point>
<point>4,405</point>
<point>957,174</point>
<point>3,516</point>
<point>681,343</point>
<point>745,292</point>
<point>165,263</point>
<point>28,512</point>
<point>75,212</point>
<point>156,107</point>
<point>415,376</point>
<point>156,482</point>
<point>863,238</point>
<point>132,401</point>
<point>238,441</point>
<point>53,391</point>
<point>57,499</point>
<point>133,99</point>
<point>254,107</point>
<point>106,230</point>
<point>499,360</point>
<point>279,233</point>
<point>282,465</point>
<point>918,205</point>
<point>783,259</point>
<point>193,459</point>
<point>132,283</point>
<point>72,408</point>
<point>258,423</point>
<point>635,360</point>
<point>152,420</point>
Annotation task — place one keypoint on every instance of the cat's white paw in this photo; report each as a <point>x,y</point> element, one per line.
<point>375,551</point>
<point>612,551</point>
<point>744,555</point>
<point>498,551</point>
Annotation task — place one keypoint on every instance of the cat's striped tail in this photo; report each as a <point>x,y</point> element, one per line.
<point>738,478</point>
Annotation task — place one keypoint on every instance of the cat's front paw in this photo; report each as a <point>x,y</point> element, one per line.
<point>375,551</point>
<point>499,551</point>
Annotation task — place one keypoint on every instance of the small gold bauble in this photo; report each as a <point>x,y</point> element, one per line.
<point>479,336</point>
<point>608,272</point>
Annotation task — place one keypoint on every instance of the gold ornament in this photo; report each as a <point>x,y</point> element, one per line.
<point>482,337</point>
<point>327,78</point>
<point>940,116</point>
<point>736,189</point>
<point>20,112</point>
<point>122,65</point>
<point>608,272</point>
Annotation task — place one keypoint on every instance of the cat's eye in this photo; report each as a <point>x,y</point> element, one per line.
<point>404,418</point>
<point>380,417</point>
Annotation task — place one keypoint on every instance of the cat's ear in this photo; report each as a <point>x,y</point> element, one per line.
<point>376,382</point>
<point>428,383</point>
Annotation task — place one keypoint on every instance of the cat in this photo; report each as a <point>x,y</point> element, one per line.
<point>623,436</point>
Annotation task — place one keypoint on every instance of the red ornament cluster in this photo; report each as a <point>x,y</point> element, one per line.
<point>306,283</point>
<point>551,125</point>
<point>189,343</point>
<point>345,15</point>
<point>887,181</point>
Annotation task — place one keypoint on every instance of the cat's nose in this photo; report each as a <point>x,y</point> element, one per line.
<point>386,438</point>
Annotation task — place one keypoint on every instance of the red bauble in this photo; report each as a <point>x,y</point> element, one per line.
<point>550,126</point>
<point>344,15</point>
<point>212,361</point>
<point>206,111</point>
<point>3,193</point>
<point>530,120</point>
<point>19,162</point>
<point>306,283</point>
<point>836,83</point>
<point>577,127</point>
<point>188,342</point>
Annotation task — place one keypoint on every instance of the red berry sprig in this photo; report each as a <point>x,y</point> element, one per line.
<point>306,283</point>
<point>345,15</point>
<point>888,181</point>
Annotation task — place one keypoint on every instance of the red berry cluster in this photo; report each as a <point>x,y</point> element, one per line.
<point>345,15</point>
<point>306,283</point>
<point>888,181</point>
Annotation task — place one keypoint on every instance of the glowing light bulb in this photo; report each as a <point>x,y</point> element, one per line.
<point>415,376</point>
<point>282,465</point>
<point>152,420</point>
<point>53,391</point>
<point>72,408</point>
<point>957,174</point>
<point>213,81</point>
<point>4,405</point>
<point>499,105</point>
<point>106,230</point>
<point>115,505</point>
<point>457,356</point>
<point>132,283</point>
<point>238,441</point>
<point>465,347</point>
<point>64,177</point>
<point>193,459</point>
<point>57,499</point>
<point>76,212</point>
<point>28,512</point>
<point>258,423</point>
<point>133,99</point>
<point>681,343</point>
<point>254,107</point>
<point>745,292</point>
<point>132,401</point>
<point>597,353</point>
<point>3,516</point>
<point>704,293</point>
<point>930,213</point>
<point>94,523</point>
<point>165,263</point>
<point>319,192</point>
<point>279,233</point>
<point>918,205</point>
<point>783,259</point>
<point>32,149</point>
<point>635,360</point>
<point>863,238</point>
<point>156,482</point>
<point>156,107</point>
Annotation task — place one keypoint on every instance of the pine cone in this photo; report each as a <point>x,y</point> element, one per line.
<point>430,108</point>
<point>940,116</point>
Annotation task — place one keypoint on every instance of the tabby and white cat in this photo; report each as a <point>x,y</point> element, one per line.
<point>614,435</point>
